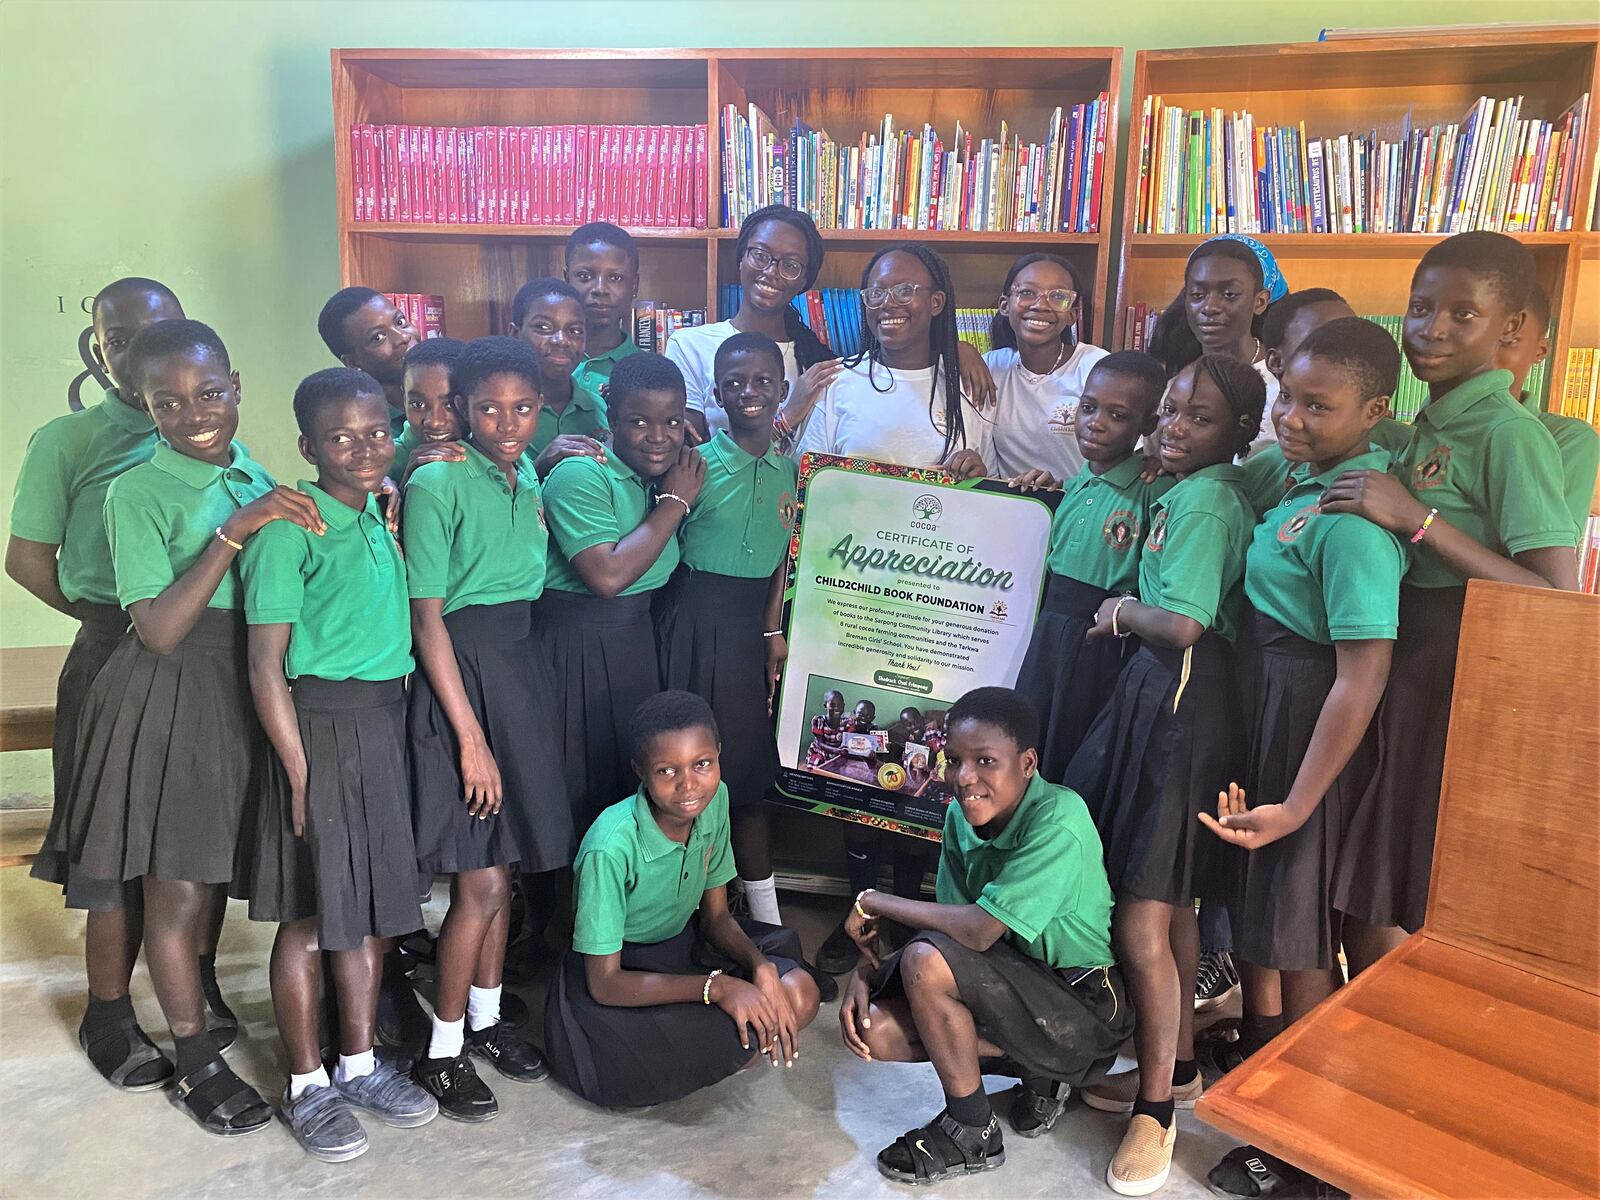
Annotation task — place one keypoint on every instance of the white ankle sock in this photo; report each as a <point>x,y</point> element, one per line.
<point>299,1083</point>
<point>447,1038</point>
<point>354,1066</point>
<point>483,1007</point>
<point>762,897</point>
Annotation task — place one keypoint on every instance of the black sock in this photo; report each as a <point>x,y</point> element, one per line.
<point>1183,1072</point>
<point>1255,1032</point>
<point>1162,1110</point>
<point>194,1052</point>
<point>1042,1085</point>
<point>974,1110</point>
<point>106,1012</point>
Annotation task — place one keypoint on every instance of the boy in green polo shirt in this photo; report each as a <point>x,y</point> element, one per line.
<point>602,263</point>
<point>1012,963</point>
<point>664,991</point>
<point>365,331</point>
<point>548,315</point>
<point>335,866</point>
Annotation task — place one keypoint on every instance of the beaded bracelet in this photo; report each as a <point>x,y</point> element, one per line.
<point>228,541</point>
<point>1116,631</point>
<point>705,992</point>
<point>1423,528</point>
<point>863,913</point>
<point>674,496</point>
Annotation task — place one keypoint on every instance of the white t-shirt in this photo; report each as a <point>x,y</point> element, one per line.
<point>1269,433</point>
<point>1036,416</point>
<point>694,350</point>
<point>885,418</point>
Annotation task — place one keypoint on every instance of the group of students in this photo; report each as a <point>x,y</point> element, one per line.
<point>1237,689</point>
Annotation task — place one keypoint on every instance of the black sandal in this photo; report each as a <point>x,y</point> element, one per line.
<point>223,1117</point>
<point>1253,1175</point>
<point>1033,1114</point>
<point>121,1049</point>
<point>942,1149</point>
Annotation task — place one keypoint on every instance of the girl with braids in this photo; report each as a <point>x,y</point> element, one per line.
<point>1155,754</point>
<point>1039,368</point>
<point>900,400</point>
<point>779,253</point>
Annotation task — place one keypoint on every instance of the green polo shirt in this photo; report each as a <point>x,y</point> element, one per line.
<point>161,516</point>
<point>407,440</point>
<point>590,503</point>
<point>1491,469</point>
<point>745,513</point>
<point>344,593</point>
<point>1266,471</point>
<point>398,423</point>
<point>1042,877</point>
<point>471,539</point>
<point>585,413</point>
<point>1579,446</point>
<point>1095,534</point>
<point>635,884</point>
<point>60,496</point>
<point>596,370</point>
<point>1391,435</point>
<point>1329,577</point>
<point>1193,559</point>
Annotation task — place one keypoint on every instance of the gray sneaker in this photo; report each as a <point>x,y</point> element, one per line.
<point>390,1096</point>
<point>324,1125</point>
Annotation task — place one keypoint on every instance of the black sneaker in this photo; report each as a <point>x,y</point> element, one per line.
<point>401,1019</point>
<point>454,1083</point>
<point>942,1149</point>
<point>1215,981</point>
<point>509,1054</point>
<point>838,954</point>
<point>514,1011</point>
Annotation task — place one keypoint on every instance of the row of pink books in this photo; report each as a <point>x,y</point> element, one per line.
<point>651,176</point>
<point>424,312</point>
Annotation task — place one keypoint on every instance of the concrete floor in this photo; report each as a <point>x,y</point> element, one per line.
<point>810,1131</point>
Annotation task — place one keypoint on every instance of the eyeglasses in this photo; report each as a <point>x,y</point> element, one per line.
<point>1059,299</point>
<point>790,268</point>
<point>900,293</point>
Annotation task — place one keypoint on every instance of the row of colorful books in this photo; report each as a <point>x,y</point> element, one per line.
<point>1217,172</point>
<point>894,178</point>
<point>638,175</point>
<point>973,325</point>
<point>424,312</point>
<point>833,314</point>
<point>654,323</point>
<point>1581,396</point>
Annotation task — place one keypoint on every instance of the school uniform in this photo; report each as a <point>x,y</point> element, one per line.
<point>595,370</point>
<point>1266,471</point>
<point>480,546</point>
<point>59,500</point>
<point>1036,416</point>
<point>343,595</point>
<point>1047,993</point>
<point>1169,737</point>
<point>168,757</point>
<point>881,413</point>
<point>694,352</point>
<point>1578,443</point>
<point>1493,471</point>
<point>637,892</point>
<point>602,650</point>
<point>712,615</point>
<point>1314,579</point>
<point>584,414</point>
<point>1094,554</point>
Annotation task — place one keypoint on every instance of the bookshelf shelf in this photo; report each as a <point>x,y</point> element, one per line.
<point>470,232</point>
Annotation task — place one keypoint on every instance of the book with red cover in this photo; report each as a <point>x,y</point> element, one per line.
<point>452,186</point>
<point>602,204</point>
<point>564,185</point>
<point>525,172</point>
<point>358,176</point>
<point>580,170</point>
<point>616,182</point>
<point>479,190</point>
<point>415,172</point>
<point>700,218</point>
<point>672,210</point>
<point>388,163</point>
<point>516,175</point>
<point>546,193</point>
<point>369,151</point>
<point>405,177</point>
<point>498,211</point>
<point>430,177</point>
<point>657,179</point>
<point>628,210</point>
<point>1099,165</point>
<point>433,315</point>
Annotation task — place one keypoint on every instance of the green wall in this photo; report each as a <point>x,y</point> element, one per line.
<point>193,142</point>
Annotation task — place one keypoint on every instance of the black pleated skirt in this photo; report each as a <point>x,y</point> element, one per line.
<point>1066,1025</point>
<point>630,1057</point>
<point>1287,920</point>
<point>1068,679</point>
<point>168,762</point>
<point>709,629</point>
<point>1383,872</point>
<point>1160,750</point>
<point>508,682</point>
<point>603,656</point>
<point>101,628</point>
<point>356,868</point>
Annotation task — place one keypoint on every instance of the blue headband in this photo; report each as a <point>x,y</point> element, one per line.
<point>1271,277</point>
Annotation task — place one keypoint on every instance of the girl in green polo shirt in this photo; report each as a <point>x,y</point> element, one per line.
<point>431,418</point>
<point>614,525</point>
<point>167,766</point>
<point>1167,737</point>
<point>1013,963</point>
<point>721,624</point>
<point>1477,495</point>
<point>664,991</point>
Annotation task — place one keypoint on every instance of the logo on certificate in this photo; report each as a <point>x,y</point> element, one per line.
<point>927,509</point>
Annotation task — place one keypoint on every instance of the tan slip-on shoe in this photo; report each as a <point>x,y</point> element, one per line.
<point>1144,1160</point>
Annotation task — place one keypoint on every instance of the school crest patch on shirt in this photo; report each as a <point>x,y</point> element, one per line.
<point>1292,528</point>
<point>1158,532</point>
<point>1431,471</point>
<point>788,510</point>
<point>1121,530</point>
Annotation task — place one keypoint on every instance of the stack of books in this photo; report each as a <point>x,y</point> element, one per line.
<point>649,176</point>
<point>1216,172</point>
<point>425,313</point>
<point>894,178</point>
<point>1581,396</point>
<point>973,324</point>
<point>654,323</point>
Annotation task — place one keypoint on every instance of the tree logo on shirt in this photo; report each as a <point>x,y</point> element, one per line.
<point>788,510</point>
<point>1431,471</point>
<point>1292,528</point>
<point>1121,530</point>
<point>1064,419</point>
<point>1158,533</point>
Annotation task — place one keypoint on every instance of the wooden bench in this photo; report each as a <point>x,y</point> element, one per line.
<point>28,696</point>
<point>1467,1062</point>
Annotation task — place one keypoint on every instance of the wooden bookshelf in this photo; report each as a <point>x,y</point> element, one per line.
<point>477,268</point>
<point>1359,85</point>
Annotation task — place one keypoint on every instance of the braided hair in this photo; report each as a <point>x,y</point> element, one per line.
<point>1242,387</point>
<point>809,349</point>
<point>942,340</point>
<point>1001,335</point>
